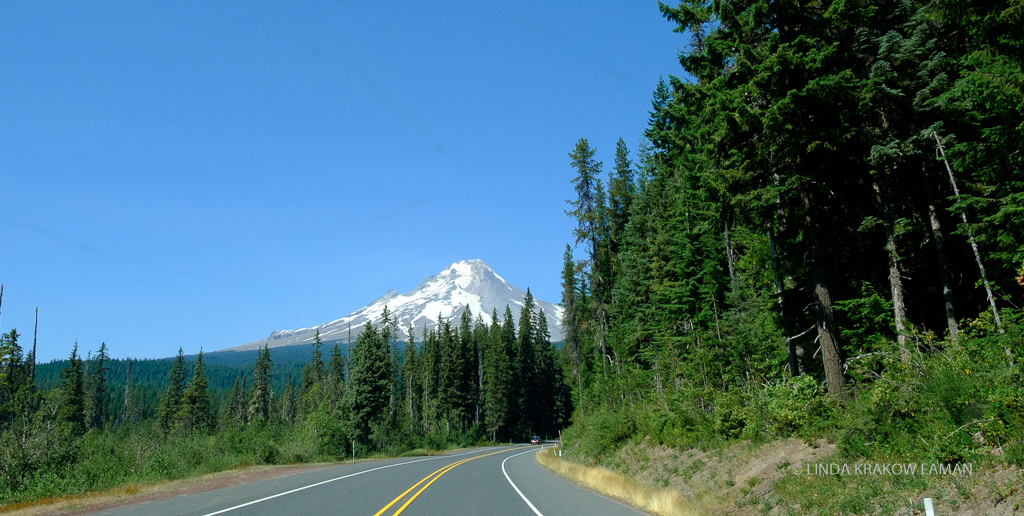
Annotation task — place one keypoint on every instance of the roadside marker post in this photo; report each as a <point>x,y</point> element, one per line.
<point>928,510</point>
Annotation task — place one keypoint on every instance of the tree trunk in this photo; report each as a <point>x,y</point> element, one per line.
<point>828,338</point>
<point>127,409</point>
<point>348,355</point>
<point>974,245</point>
<point>794,366</point>
<point>35,336</point>
<point>940,250</point>
<point>602,333</point>
<point>729,258</point>
<point>827,334</point>
<point>899,307</point>
<point>480,380</point>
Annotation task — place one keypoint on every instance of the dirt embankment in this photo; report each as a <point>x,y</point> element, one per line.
<point>773,479</point>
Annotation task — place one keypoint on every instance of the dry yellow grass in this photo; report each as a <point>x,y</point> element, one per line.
<point>664,502</point>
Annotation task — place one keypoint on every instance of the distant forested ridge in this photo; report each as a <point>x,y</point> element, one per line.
<point>820,233</point>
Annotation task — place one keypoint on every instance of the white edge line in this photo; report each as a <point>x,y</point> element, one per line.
<point>521,495</point>
<point>343,477</point>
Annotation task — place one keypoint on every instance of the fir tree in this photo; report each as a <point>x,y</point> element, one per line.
<point>497,379</point>
<point>170,403</point>
<point>194,414</point>
<point>524,370</point>
<point>96,389</point>
<point>430,359</point>
<point>261,398</point>
<point>410,381</point>
<point>72,394</point>
<point>621,189</point>
<point>15,376</point>
<point>369,390</point>
<point>591,229</point>
<point>335,377</point>
<point>236,412</point>
<point>313,376</point>
<point>449,375</point>
<point>571,331</point>
<point>130,411</point>
<point>289,401</point>
<point>468,369</point>
<point>313,371</point>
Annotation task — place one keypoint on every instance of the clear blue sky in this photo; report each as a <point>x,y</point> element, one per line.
<point>200,174</point>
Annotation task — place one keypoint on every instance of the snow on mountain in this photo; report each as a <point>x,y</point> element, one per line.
<point>443,295</point>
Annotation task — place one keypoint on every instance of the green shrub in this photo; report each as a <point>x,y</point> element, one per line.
<point>599,433</point>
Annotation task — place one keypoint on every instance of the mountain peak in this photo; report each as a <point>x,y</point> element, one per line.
<point>444,295</point>
<point>468,268</point>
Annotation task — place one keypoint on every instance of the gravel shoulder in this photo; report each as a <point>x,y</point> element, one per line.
<point>137,493</point>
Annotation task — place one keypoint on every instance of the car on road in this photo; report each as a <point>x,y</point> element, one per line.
<point>535,440</point>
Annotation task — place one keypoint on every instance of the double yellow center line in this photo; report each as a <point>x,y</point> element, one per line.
<point>429,479</point>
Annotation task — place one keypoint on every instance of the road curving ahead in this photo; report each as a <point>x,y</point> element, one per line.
<point>503,480</point>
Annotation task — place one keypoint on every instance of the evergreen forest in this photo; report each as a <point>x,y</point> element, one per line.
<point>820,234</point>
<point>103,423</point>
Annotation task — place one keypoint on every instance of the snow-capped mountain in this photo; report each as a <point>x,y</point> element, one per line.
<point>444,295</point>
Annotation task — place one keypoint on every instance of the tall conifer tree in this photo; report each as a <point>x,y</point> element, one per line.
<point>194,414</point>
<point>261,398</point>
<point>170,403</point>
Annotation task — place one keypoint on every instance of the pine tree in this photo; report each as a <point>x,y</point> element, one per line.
<point>15,376</point>
<point>387,332</point>
<point>571,331</point>
<point>410,381</point>
<point>335,377</point>
<point>289,401</point>
<point>524,370</point>
<point>544,390</point>
<point>794,140</point>
<point>591,229</point>
<point>480,344</point>
<point>512,388</point>
<point>235,413</point>
<point>497,378</point>
<point>369,390</point>
<point>194,414</point>
<point>313,371</point>
<point>468,370</point>
<point>130,410</point>
<point>430,359</point>
<point>982,108</point>
<point>449,375</point>
<point>584,209</point>
<point>313,376</point>
<point>72,394</point>
<point>96,389</point>
<point>261,398</point>
<point>621,189</point>
<point>170,403</point>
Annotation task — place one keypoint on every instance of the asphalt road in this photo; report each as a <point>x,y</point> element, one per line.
<point>484,481</point>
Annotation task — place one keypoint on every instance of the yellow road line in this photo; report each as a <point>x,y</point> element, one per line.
<point>431,478</point>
